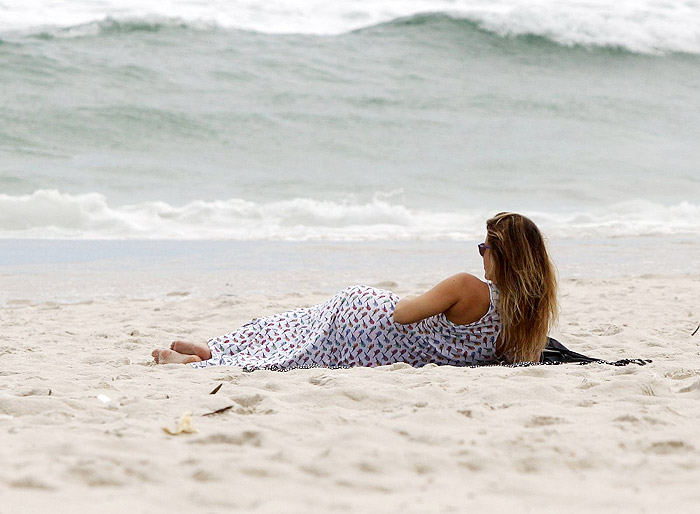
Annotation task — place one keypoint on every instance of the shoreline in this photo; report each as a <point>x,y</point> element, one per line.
<point>66,271</point>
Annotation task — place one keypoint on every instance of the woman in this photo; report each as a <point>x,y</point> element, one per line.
<point>461,321</point>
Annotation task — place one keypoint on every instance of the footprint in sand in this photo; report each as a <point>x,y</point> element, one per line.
<point>322,380</point>
<point>245,438</point>
<point>668,447</point>
<point>250,403</point>
<point>692,388</point>
<point>543,421</point>
<point>606,330</point>
<point>681,374</point>
<point>30,483</point>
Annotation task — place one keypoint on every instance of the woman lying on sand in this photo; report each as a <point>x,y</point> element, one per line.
<point>461,321</point>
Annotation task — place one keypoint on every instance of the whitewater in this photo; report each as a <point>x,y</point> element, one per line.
<point>645,26</point>
<point>51,214</point>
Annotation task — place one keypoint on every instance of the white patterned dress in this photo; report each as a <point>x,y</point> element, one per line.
<point>356,328</point>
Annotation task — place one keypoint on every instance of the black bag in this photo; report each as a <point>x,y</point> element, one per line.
<point>557,353</point>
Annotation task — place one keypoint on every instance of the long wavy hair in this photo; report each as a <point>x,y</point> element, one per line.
<point>521,268</point>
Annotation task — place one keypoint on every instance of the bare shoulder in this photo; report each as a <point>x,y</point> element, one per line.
<point>470,283</point>
<point>474,299</point>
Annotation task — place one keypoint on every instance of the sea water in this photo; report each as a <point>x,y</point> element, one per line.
<point>350,121</point>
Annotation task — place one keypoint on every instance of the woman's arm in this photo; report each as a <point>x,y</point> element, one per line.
<point>440,298</point>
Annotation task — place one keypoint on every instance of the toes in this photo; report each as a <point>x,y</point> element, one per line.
<point>166,356</point>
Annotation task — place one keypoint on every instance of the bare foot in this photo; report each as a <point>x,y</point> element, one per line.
<point>201,350</point>
<point>170,357</point>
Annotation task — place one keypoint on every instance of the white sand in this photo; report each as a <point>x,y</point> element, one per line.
<point>82,412</point>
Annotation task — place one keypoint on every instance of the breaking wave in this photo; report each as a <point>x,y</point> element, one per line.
<point>637,26</point>
<point>50,214</point>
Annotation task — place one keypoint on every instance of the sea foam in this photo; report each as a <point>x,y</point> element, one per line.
<point>645,26</point>
<point>47,214</point>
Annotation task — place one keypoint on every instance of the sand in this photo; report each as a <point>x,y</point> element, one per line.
<point>83,410</point>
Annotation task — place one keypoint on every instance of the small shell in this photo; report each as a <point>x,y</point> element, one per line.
<point>184,426</point>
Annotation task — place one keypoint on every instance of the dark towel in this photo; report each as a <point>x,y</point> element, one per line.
<point>557,353</point>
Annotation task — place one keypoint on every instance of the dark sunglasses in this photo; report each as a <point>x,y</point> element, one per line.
<point>482,248</point>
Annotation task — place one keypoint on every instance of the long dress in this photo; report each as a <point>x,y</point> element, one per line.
<point>356,328</point>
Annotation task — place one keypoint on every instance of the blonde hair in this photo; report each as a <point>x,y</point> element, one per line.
<point>521,268</point>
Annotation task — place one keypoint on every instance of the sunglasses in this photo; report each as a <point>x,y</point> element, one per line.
<point>482,248</point>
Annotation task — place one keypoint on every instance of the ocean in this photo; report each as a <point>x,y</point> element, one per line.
<point>356,121</point>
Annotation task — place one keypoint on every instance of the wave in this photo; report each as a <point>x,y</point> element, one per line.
<point>123,26</point>
<point>641,27</point>
<point>50,214</point>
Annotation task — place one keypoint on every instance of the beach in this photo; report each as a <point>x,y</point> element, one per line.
<point>170,170</point>
<point>83,407</point>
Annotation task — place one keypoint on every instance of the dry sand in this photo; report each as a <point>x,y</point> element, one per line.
<point>83,408</point>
